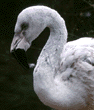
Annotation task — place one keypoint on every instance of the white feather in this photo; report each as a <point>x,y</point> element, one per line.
<point>64,74</point>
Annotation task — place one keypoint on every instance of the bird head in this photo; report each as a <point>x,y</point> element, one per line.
<point>30,23</point>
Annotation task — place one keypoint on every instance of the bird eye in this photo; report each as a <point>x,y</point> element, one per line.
<point>24,26</point>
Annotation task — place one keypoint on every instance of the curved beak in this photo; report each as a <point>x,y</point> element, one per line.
<point>18,49</point>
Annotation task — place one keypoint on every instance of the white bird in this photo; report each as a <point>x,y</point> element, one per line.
<point>64,73</point>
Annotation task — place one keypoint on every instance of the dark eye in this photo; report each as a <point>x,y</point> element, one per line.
<point>24,26</point>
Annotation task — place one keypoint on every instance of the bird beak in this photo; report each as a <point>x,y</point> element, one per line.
<point>18,49</point>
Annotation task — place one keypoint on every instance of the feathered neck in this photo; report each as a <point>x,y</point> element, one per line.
<point>49,59</point>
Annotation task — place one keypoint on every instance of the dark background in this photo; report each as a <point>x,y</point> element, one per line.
<point>16,84</point>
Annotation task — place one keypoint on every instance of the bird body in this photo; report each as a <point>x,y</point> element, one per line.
<point>69,84</point>
<point>64,73</point>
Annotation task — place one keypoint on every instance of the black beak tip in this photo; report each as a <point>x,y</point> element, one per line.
<point>20,56</point>
<point>13,53</point>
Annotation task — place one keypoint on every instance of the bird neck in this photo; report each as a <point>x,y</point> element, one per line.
<point>50,54</point>
<point>56,40</point>
<point>47,63</point>
<point>49,59</point>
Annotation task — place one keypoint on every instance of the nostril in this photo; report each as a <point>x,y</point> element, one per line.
<point>16,42</point>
